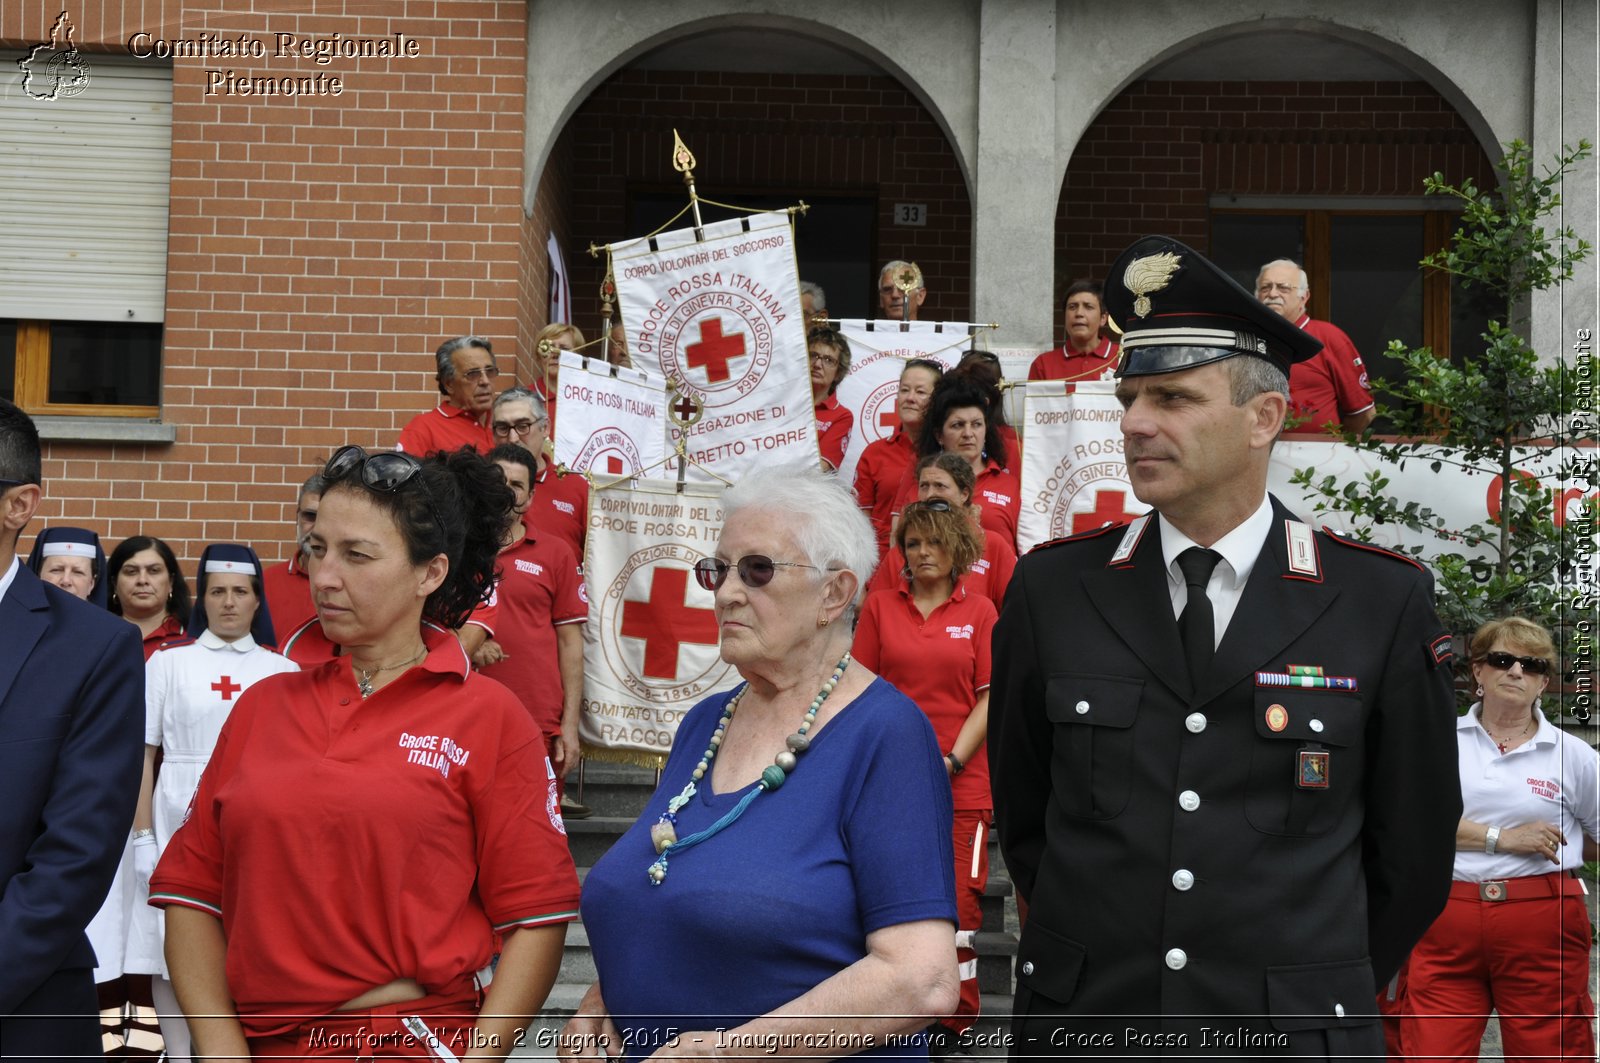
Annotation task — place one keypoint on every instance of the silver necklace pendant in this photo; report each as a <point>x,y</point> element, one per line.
<point>365,683</point>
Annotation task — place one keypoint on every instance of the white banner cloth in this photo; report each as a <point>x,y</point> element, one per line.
<point>720,318</point>
<point>613,420</point>
<point>560,291</point>
<point>879,350</point>
<point>1074,477</point>
<point>651,643</point>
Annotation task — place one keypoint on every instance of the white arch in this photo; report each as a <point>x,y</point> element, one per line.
<point>574,47</point>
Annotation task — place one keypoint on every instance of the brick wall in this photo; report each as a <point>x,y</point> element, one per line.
<point>1153,158</point>
<point>799,135</point>
<point>319,250</point>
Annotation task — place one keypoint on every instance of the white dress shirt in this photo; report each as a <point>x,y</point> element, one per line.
<point>1239,550</point>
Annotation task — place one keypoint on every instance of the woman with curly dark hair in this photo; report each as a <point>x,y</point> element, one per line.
<point>368,830</point>
<point>958,422</point>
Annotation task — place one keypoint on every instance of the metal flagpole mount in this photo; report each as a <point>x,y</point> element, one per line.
<point>908,280</point>
<point>683,162</point>
<point>685,411</point>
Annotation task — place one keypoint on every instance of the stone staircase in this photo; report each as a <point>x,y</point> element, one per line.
<point>617,794</point>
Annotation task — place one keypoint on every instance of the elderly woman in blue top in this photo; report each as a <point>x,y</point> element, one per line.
<point>788,890</point>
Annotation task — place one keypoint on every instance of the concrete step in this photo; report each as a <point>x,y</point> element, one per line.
<point>612,789</point>
<point>588,839</point>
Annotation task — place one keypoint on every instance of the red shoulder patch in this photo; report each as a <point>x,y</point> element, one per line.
<point>1372,548</point>
<point>1080,536</point>
<point>1441,650</point>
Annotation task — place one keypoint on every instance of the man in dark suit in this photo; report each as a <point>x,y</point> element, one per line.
<point>1222,743</point>
<point>71,747</point>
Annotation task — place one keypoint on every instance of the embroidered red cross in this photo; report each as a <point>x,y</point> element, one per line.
<point>1109,508</point>
<point>665,622</point>
<point>889,418</point>
<point>613,465</point>
<point>227,688</point>
<point>714,350</point>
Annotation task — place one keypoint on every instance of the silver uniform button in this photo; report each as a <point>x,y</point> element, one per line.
<point>1182,879</point>
<point>1027,966</point>
<point>1082,707</point>
<point>1338,1010</point>
<point>1316,725</point>
<point>1188,800</point>
<point>1195,722</point>
<point>1176,959</point>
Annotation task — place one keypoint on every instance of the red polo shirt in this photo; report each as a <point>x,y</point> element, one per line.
<point>538,591</point>
<point>1061,365</point>
<point>941,663</point>
<point>834,422</point>
<point>308,647</point>
<point>445,427</point>
<point>989,575</point>
<point>345,842</point>
<point>560,507</point>
<point>1332,384</point>
<point>878,476</point>
<point>287,588</point>
<point>169,629</point>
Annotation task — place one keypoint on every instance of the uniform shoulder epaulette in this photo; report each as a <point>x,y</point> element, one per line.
<point>174,643</point>
<point>1079,537</point>
<point>1371,548</point>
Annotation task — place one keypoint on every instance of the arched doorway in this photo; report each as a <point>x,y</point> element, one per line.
<point>1242,147</point>
<point>773,117</point>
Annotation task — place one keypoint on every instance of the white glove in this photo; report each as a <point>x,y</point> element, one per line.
<point>144,859</point>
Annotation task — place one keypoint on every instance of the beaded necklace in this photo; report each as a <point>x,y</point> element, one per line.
<point>663,834</point>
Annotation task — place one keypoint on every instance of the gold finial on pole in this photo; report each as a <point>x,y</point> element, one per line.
<point>908,280</point>
<point>608,295</point>
<point>683,162</point>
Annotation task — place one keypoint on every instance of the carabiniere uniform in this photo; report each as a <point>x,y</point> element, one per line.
<point>1230,867</point>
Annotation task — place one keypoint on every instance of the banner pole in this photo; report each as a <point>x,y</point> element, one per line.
<point>683,162</point>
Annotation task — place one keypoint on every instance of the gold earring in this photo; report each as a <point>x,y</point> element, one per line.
<point>822,622</point>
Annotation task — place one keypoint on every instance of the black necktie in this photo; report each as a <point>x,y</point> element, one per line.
<point>1196,625</point>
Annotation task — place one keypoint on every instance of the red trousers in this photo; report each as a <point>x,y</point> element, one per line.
<point>972,877</point>
<point>1527,957</point>
<point>381,1033</point>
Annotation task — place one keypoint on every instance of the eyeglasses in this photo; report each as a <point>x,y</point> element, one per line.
<point>1504,661</point>
<point>827,361</point>
<point>483,372</point>
<point>755,570</point>
<point>518,428</point>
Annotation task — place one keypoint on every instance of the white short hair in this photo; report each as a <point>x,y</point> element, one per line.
<point>1305,284</point>
<point>820,512</point>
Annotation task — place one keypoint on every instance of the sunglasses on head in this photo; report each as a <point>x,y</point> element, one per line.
<point>386,471</point>
<point>755,570</point>
<point>1504,661</point>
<point>935,505</point>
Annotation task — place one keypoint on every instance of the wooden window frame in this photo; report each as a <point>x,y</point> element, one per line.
<point>33,380</point>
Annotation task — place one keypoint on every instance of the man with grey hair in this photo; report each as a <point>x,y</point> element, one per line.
<point>466,375</point>
<point>560,504</point>
<point>1328,389</point>
<point>891,300</point>
<point>286,585</point>
<point>1220,741</point>
<point>813,304</point>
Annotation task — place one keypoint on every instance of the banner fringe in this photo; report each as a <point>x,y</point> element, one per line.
<point>636,758</point>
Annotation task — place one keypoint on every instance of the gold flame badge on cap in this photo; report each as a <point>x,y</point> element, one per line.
<point>1147,274</point>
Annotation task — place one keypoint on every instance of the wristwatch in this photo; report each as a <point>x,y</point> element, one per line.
<point>956,767</point>
<point>1491,838</point>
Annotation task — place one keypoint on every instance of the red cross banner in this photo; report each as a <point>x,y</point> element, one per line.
<point>651,644</point>
<point>878,351</point>
<point>720,318</point>
<point>613,419</point>
<point>1074,478</point>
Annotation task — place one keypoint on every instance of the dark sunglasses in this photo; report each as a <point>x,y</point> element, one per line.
<point>935,505</point>
<point>754,569</point>
<point>1504,661</point>
<point>387,470</point>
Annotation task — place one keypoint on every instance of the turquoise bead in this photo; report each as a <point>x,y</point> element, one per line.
<point>773,777</point>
